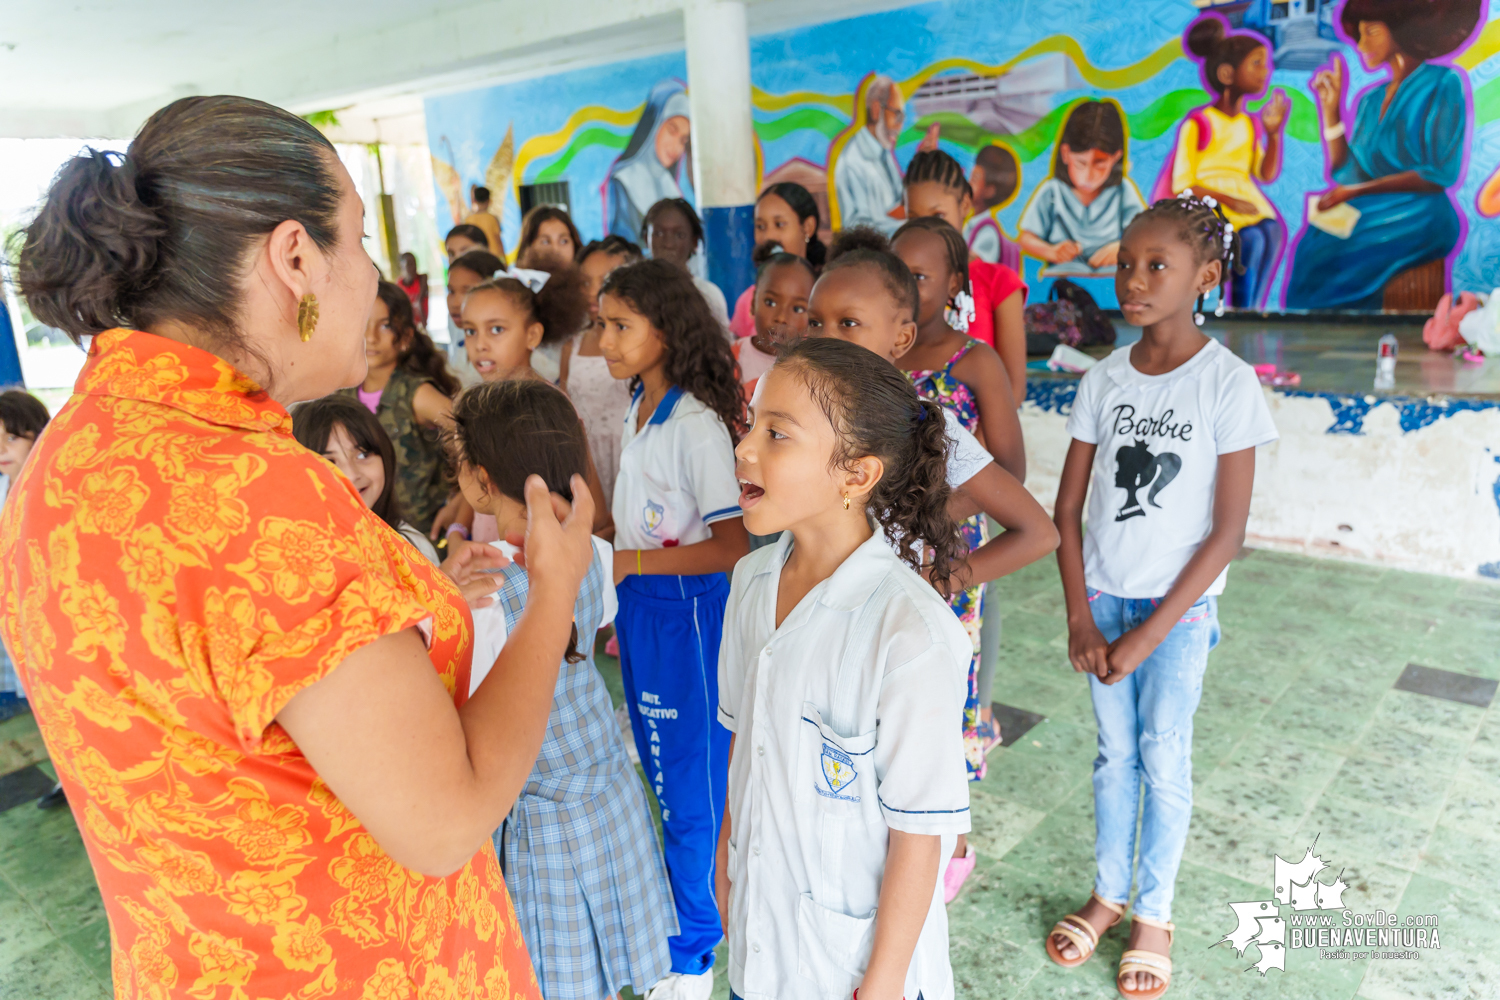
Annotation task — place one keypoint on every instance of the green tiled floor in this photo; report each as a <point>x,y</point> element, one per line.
<point>1300,736</point>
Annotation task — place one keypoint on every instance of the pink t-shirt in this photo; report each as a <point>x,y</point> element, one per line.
<point>370,399</point>
<point>742,323</point>
<point>991,285</point>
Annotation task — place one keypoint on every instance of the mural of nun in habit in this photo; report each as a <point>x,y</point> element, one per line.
<point>654,163</point>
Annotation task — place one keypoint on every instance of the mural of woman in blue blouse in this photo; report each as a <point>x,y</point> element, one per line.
<point>1395,160</point>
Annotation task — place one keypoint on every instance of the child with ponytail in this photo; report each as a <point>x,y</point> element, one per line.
<point>678,532</point>
<point>786,221</point>
<point>936,187</point>
<point>842,669</point>
<point>579,851</point>
<point>1167,429</point>
<point>508,317</point>
<point>969,380</point>
<point>869,297</point>
<point>783,281</point>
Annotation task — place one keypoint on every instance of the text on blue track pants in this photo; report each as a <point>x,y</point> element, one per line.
<point>669,629</point>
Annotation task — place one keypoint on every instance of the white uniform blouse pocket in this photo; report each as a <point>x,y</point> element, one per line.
<point>834,767</point>
<point>833,948</point>
<point>840,813</point>
<point>667,516</point>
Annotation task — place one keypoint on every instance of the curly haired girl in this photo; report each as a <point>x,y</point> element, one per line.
<point>677,533</point>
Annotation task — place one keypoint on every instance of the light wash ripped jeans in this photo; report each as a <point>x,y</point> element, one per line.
<point>1146,732</point>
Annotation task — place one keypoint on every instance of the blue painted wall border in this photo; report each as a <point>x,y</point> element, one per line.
<point>729,242</point>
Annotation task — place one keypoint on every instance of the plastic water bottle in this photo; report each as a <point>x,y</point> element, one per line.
<point>1385,362</point>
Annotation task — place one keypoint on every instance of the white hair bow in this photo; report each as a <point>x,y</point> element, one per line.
<point>533,280</point>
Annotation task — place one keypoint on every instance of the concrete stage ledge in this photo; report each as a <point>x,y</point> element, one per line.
<point>1408,478</point>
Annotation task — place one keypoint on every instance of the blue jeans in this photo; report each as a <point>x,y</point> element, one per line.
<point>1146,731</point>
<point>1260,250</point>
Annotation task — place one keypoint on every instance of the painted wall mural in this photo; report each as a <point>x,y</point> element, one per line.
<point>1354,143</point>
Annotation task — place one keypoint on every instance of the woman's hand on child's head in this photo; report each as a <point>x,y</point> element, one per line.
<point>557,548</point>
<point>1088,650</point>
<point>473,567</point>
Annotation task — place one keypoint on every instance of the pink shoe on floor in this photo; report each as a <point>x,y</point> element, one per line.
<point>612,647</point>
<point>957,872</point>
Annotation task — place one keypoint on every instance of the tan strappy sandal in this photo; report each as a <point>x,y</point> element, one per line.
<point>1081,933</point>
<point>1150,962</point>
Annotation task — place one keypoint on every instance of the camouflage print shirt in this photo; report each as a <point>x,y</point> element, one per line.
<point>422,484</point>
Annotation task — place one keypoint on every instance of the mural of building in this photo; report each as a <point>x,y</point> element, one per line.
<point>1333,144</point>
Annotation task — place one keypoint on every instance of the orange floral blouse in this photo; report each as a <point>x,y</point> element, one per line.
<point>176,568</point>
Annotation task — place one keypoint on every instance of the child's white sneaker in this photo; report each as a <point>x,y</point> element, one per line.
<point>681,986</point>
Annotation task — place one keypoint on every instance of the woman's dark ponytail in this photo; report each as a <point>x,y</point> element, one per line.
<point>164,231</point>
<point>875,411</point>
<point>92,243</point>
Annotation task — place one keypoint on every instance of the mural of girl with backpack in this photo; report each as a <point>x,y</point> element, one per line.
<point>1222,154</point>
<point>1075,219</point>
<point>1135,469</point>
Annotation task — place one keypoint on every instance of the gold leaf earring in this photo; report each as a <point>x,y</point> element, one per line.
<point>846,501</point>
<point>307,316</point>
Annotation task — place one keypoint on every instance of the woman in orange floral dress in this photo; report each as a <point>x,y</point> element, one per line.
<point>253,690</point>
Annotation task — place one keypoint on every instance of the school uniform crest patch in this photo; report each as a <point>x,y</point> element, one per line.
<point>839,772</point>
<point>651,516</point>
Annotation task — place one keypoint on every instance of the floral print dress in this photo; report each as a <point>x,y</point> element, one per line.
<point>942,387</point>
<point>177,567</point>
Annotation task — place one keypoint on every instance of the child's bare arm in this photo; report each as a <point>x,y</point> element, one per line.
<point>911,873</point>
<point>1010,341</point>
<point>729,544</point>
<point>1028,535</point>
<point>1236,476</point>
<point>1087,649</point>
<point>984,373</point>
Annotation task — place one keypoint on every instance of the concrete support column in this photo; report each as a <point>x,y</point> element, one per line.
<point>718,61</point>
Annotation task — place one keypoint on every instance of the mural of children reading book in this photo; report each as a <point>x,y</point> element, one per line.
<point>1076,217</point>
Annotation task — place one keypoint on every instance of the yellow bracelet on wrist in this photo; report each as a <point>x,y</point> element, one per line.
<point>638,563</point>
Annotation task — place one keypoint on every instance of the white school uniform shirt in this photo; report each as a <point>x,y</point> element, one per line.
<point>676,475</point>
<point>1159,439</point>
<point>489,623</point>
<point>848,723</point>
<point>966,456</point>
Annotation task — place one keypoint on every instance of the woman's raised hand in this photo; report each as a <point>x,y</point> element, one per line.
<point>557,549</point>
<point>473,566</point>
<point>1328,84</point>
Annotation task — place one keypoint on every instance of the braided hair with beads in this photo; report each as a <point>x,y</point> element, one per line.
<point>961,305</point>
<point>1203,226</point>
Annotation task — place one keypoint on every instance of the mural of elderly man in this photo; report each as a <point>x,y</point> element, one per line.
<point>866,177</point>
